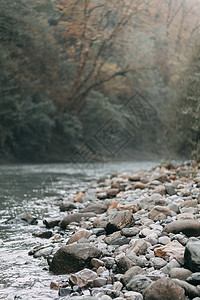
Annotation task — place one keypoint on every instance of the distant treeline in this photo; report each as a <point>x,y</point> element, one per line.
<point>94,80</point>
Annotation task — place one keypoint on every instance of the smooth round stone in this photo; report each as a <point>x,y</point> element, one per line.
<point>180,273</point>
<point>164,240</point>
<point>158,262</point>
<point>129,232</point>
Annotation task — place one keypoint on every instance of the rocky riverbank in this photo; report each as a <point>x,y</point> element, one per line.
<point>127,236</point>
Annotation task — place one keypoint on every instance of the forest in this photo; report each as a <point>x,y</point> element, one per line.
<point>94,80</point>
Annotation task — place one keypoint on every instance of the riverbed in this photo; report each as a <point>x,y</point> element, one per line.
<point>33,189</point>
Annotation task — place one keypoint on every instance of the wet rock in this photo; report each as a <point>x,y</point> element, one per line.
<point>173,250</point>
<point>28,218</point>
<point>97,208</point>
<point>76,217</point>
<point>194,278</point>
<point>67,206</point>
<point>83,278</point>
<point>51,223</point>
<point>82,233</point>
<point>190,290</point>
<point>129,232</point>
<point>188,227</point>
<point>79,197</point>
<point>64,291</point>
<point>119,220</point>
<point>192,255</point>
<point>72,258</point>
<point>180,273</point>
<point>43,235</point>
<point>164,289</point>
<point>138,283</point>
<point>157,210</point>
<point>45,252</point>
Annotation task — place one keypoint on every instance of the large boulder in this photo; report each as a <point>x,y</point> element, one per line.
<point>73,258</point>
<point>189,227</point>
<point>192,255</point>
<point>164,289</point>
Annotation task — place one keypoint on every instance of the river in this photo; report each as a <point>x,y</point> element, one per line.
<point>32,188</point>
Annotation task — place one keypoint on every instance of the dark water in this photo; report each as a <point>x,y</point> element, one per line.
<point>32,188</point>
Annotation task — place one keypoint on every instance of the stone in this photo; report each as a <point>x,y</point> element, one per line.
<point>180,273</point>
<point>117,286</point>
<point>138,283</point>
<point>97,208</point>
<point>170,190</point>
<point>82,233</point>
<point>112,192</point>
<point>164,289</point>
<point>157,210</point>
<point>51,223</point>
<point>43,235</point>
<point>96,263</point>
<point>189,227</point>
<point>72,258</point>
<point>76,217</point>
<point>129,232</point>
<point>79,197</point>
<point>138,247</point>
<point>67,206</point>
<point>194,278</point>
<point>119,220</point>
<point>192,255</point>
<point>171,265</point>
<point>123,263</point>
<point>135,270</point>
<point>140,185</point>
<point>64,291</point>
<point>164,240</point>
<point>28,218</point>
<point>83,278</point>
<point>157,262</point>
<point>45,252</point>
<point>99,281</point>
<point>172,250</point>
<point>133,296</point>
<point>190,290</point>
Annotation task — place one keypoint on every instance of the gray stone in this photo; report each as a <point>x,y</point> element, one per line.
<point>192,255</point>
<point>158,262</point>
<point>72,258</point>
<point>157,210</point>
<point>95,262</point>
<point>194,278</point>
<point>189,227</point>
<point>67,206</point>
<point>135,270</point>
<point>164,289</point>
<point>180,273</point>
<point>129,232</point>
<point>43,235</point>
<point>190,290</point>
<point>97,208</point>
<point>51,222</point>
<point>133,296</point>
<point>76,217</point>
<point>170,190</point>
<point>100,281</point>
<point>83,278</point>
<point>28,218</point>
<point>138,283</point>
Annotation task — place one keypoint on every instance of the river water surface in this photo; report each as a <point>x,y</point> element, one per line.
<point>32,188</point>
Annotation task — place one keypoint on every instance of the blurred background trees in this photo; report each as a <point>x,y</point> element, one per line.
<point>69,68</point>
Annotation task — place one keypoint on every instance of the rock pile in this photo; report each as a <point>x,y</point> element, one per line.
<point>129,237</point>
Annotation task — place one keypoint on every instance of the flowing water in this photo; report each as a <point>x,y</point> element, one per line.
<point>32,188</point>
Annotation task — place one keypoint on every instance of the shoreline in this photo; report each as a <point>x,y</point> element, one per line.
<point>127,237</point>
